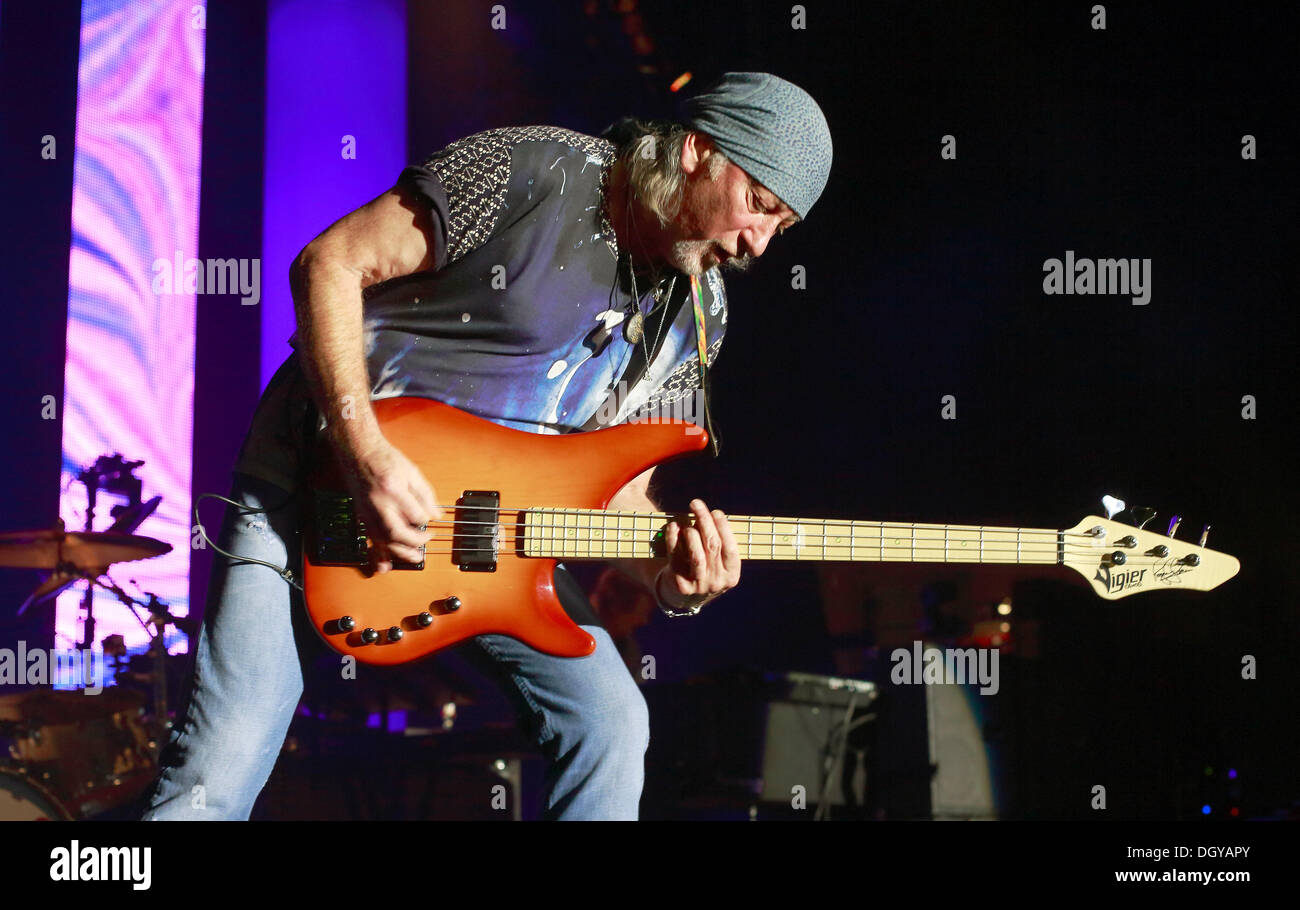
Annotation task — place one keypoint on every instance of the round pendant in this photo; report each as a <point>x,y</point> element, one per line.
<point>632,328</point>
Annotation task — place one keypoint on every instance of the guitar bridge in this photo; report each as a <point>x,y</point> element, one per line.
<point>339,536</point>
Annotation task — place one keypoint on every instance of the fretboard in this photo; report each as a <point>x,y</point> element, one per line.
<point>600,534</point>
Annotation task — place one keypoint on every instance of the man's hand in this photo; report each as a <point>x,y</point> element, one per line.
<point>395,501</point>
<point>703,559</point>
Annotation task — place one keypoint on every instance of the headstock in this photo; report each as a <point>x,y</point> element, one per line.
<point>1119,559</point>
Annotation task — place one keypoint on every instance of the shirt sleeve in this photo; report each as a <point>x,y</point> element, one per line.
<point>425,186</point>
<point>464,185</point>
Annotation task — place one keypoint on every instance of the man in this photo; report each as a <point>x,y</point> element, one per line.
<point>536,277</point>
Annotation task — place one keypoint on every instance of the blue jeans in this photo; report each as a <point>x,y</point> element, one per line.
<point>589,717</point>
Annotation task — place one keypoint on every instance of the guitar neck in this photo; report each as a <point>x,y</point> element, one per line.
<point>601,534</point>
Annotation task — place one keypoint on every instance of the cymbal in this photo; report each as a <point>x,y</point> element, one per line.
<point>86,551</point>
<point>50,707</point>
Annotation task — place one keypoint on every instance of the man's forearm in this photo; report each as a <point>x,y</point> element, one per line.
<point>385,238</point>
<point>328,303</point>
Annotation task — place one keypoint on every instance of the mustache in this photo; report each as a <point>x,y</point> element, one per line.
<point>735,263</point>
<point>738,263</point>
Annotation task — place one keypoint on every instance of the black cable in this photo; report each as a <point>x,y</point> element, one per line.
<point>283,571</point>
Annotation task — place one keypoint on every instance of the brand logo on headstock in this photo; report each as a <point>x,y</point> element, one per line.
<point>1118,581</point>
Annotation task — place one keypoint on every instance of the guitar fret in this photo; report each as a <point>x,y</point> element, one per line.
<point>561,533</point>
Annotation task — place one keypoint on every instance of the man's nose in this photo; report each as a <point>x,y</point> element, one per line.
<point>756,239</point>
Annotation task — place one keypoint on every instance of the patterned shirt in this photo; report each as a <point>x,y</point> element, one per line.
<point>519,321</point>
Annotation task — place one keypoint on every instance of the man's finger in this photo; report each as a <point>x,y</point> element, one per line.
<point>412,512</point>
<point>399,529</point>
<point>380,557</point>
<point>707,530</point>
<point>730,549</point>
<point>693,559</point>
<point>426,497</point>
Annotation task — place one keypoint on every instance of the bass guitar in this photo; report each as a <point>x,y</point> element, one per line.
<point>524,502</point>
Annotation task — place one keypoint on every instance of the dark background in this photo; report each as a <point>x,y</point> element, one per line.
<point>923,280</point>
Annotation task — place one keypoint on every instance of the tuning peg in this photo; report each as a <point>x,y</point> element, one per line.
<point>1173,525</point>
<point>1205,534</point>
<point>1112,505</point>
<point>1141,515</point>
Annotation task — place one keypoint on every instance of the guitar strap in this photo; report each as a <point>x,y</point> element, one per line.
<point>637,365</point>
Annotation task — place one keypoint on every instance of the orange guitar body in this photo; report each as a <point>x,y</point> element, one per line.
<point>417,611</point>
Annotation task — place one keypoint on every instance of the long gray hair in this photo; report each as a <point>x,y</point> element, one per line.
<point>651,152</point>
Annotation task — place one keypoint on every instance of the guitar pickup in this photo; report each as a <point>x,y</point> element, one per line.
<point>339,536</point>
<point>475,531</point>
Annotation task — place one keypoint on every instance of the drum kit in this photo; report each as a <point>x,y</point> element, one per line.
<point>81,754</point>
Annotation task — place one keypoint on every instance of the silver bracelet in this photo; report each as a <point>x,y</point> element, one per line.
<point>675,612</point>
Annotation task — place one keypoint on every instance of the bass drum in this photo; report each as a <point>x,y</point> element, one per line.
<point>24,800</point>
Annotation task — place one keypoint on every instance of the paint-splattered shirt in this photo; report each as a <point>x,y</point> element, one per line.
<point>520,320</point>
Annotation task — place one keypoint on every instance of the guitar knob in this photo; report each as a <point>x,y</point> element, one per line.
<point>451,604</point>
<point>347,623</point>
<point>395,633</point>
<point>1161,551</point>
<point>424,620</point>
<point>1191,559</point>
<point>1118,559</point>
<point>369,636</point>
<point>1129,541</point>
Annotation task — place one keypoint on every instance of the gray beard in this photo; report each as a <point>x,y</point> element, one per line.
<point>691,256</point>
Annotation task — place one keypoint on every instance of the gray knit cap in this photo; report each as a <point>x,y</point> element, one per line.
<point>770,128</point>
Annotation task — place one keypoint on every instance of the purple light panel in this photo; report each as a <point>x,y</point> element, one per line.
<point>332,70</point>
<point>129,375</point>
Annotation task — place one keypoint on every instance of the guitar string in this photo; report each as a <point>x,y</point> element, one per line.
<point>950,537</point>
<point>867,546</point>
<point>989,545</point>
<point>596,553</point>
<point>748,519</point>
<point>916,543</point>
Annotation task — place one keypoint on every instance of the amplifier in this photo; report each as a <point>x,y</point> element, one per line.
<point>736,743</point>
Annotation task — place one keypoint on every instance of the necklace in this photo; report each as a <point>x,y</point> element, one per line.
<point>634,325</point>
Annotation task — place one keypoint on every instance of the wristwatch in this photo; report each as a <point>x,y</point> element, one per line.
<point>675,612</point>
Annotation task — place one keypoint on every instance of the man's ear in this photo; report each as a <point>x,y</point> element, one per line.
<point>695,151</point>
